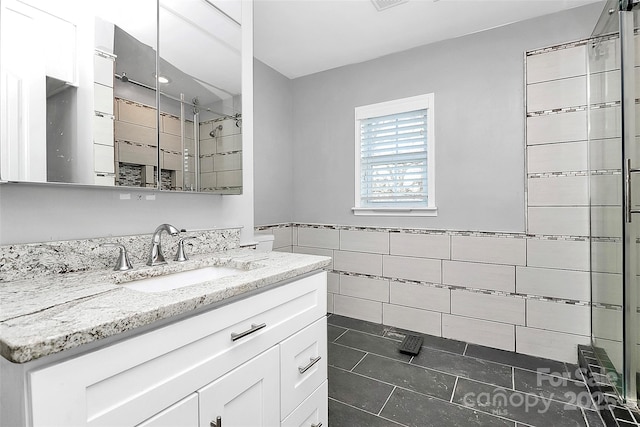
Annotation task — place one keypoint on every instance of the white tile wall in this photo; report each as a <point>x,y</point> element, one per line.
<point>420,296</point>
<point>559,317</point>
<point>604,87</point>
<point>562,254</point>
<point>563,127</point>
<point>315,251</point>
<point>606,190</point>
<point>427,322</point>
<point>499,308</point>
<point>496,250</point>
<point>558,221</point>
<point>357,308</point>
<point>319,237</point>
<point>553,283</point>
<point>333,283</point>
<point>606,221</point>
<point>330,303</point>
<point>604,56</point>
<point>364,241</point>
<point>606,257</point>
<point>549,344</point>
<point>420,269</point>
<point>559,191</point>
<point>206,164</point>
<point>560,157</point>
<point>227,162</point>
<point>558,64</point>
<point>603,123</point>
<point>607,323</point>
<point>483,332</point>
<point>477,275</point>
<point>365,288</point>
<point>607,288</point>
<point>229,178</point>
<point>283,237</point>
<point>605,153</point>
<point>420,245</point>
<point>358,262</point>
<point>549,95</point>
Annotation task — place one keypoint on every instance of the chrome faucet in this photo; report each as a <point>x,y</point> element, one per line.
<point>155,256</point>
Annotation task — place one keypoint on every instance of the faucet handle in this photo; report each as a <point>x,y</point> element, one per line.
<point>123,263</point>
<point>181,255</point>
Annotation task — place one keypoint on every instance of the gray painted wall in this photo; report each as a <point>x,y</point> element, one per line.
<point>273,146</point>
<point>479,97</point>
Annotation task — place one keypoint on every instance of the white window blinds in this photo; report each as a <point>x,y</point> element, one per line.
<point>393,160</point>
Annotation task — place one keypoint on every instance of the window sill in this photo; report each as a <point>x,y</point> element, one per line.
<point>395,211</point>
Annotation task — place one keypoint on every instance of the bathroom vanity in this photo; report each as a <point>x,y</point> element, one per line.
<point>249,349</point>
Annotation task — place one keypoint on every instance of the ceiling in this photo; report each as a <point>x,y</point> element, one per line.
<point>302,37</point>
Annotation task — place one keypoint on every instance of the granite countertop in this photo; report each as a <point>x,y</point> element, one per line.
<point>48,314</point>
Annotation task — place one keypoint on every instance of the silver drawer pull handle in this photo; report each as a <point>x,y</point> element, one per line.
<point>317,425</point>
<point>311,363</point>
<point>254,328</point>
<point>629,201</point>
<point>218,422</point>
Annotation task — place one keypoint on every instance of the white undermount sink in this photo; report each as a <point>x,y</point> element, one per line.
<point>181,279</point>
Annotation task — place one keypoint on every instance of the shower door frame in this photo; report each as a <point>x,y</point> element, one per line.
<point>623,28</point>
<point>628,101</point>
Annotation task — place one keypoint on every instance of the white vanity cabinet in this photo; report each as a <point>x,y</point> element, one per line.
<point>262,356</point>
<point>246,396</point>
<point>183,414</point>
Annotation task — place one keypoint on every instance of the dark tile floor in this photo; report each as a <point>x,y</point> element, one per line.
<point>449,383</point>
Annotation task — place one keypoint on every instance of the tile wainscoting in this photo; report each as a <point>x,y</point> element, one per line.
<point>511,291</point>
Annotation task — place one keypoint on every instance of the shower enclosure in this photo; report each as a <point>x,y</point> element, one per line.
<point>614,193</point>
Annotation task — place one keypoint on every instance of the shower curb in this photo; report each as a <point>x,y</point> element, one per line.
<point>598,373</point>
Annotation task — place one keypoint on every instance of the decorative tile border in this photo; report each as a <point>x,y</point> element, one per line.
<point>558,47</point>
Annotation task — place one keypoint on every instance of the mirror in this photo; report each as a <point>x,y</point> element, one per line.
<point>79,102</point>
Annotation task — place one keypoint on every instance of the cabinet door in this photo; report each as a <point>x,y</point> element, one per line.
<point>183,413</point>
<point>248,396</point>
<point>313,412</point>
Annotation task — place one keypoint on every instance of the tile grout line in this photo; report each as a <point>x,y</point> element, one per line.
<point>464,353</point>
<point>453,391</point>
<point>366,353</point>
<point>339,336</point>
<point>387,401</point>
<point>513,378</point>
<point>365,411</point>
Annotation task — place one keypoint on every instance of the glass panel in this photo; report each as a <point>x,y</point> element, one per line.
<point>614,240</point>
<point>199,80</point>
<point>134,44</point>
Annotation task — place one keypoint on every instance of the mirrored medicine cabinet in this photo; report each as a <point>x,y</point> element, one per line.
<point>143,93</point>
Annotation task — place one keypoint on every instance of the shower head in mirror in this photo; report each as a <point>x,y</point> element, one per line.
<point>212,134</point>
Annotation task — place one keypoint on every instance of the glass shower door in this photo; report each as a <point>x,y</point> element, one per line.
<point>614,190</point>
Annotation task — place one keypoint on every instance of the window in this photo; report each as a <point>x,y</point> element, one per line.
<point>395,158</point>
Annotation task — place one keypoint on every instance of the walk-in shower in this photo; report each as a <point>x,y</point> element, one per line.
<point>614,193</point>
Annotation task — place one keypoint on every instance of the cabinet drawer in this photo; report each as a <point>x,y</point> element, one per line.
<point>141,376</point>
<point>313,412</point>
<point>303,364</point>
<point>183,413</point>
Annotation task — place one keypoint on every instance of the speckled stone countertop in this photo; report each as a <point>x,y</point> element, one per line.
<point>44,315</point>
